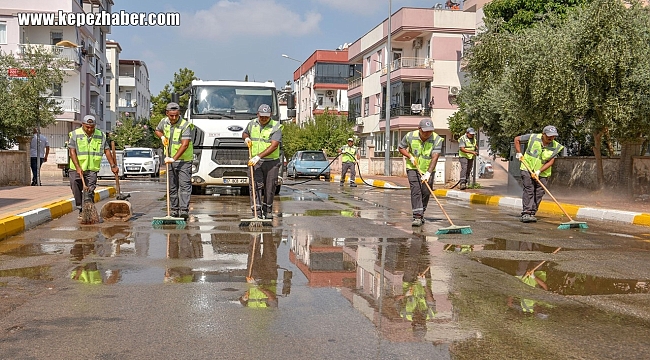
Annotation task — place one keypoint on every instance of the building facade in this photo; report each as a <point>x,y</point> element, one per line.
<point>321,84</point>
<point>83,90</point>
<point>113,50</point>
<point>425,75</point>
<point>134,95</point>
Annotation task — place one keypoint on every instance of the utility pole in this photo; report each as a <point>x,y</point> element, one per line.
<point>389,54</point>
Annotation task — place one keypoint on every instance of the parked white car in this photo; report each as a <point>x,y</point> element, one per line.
<point>141,161</point>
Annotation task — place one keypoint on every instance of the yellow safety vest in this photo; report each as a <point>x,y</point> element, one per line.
<point>261,138</point>
<point>468,144</point>
<point>89,277</point>
<point>417,301</point>
<point>537,155</point>
<point>422,150</point>
<point>90,153</point>
<point>348,153</point>
<point>173,133</point>
<point>257,298</point>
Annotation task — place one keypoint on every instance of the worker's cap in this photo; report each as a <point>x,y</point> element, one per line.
<point>426,125</point>
<point>351,139</point>
<point>550,130</point>
<point>172,106</point>
<point>471,131</point>
<point>264,110</point>
<point>89,120</point>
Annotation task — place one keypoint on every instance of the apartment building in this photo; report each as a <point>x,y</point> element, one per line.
<point>133,86</point>
<point>113,50</point>
<point>83,90</point>
<point>425,75</point>
<point>321,84</point>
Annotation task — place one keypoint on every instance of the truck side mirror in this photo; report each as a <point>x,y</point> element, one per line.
<point>175,97</point>
<point>291,102</point>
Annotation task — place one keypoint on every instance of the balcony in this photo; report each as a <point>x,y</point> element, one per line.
<point>127,81</point>
<point>409,68</point>
<point>352,83</point>
<point>61,52</point>
<point>397,111</point>
<point>67,104</point>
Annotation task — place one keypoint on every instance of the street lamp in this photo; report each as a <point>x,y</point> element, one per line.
<point>299,84</point>
<point>388,61</point>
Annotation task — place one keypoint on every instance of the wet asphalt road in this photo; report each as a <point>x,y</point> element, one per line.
<point>127,290</point>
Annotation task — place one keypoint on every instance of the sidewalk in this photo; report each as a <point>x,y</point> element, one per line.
<point>24,207</point>
<point>580,204</point>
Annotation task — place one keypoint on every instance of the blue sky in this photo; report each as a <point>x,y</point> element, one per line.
<point>229,39</point>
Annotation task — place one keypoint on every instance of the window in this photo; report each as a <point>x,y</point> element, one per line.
<point>56,37</point>
<point>368,66</point>
<point>320,100</point>
<point>56,89</point>
<point>108,88</point>
<point>380,61</point>
<point>3,32</point>
<point>377,103</point>
<point>366,106</point>
<point>101,40</point>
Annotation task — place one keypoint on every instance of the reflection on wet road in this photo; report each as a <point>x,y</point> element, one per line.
<point>352,254</point>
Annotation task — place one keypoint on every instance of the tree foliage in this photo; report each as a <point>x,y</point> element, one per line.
<point>586,72</point>
<point>131,133</point>
<point>182,80</point>
<point>324,132</point>
<point>24,103</point>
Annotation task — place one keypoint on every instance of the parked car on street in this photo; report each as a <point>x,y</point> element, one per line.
<point>141,161</point>
<point>308,163</point>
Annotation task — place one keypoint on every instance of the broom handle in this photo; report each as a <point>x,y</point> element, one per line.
<point>250,267</point>
<point>434,196</point>
<point>548,192</point>
<point>168,205</point>
<point>542,263</point>
<point>250,154</point>
<point>117,176</point>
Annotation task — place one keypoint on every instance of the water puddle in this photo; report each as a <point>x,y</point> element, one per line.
<point>544,275</point>
<point>516,245</point>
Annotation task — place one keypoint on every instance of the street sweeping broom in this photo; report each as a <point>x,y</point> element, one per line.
<point>256,222</point>
<point>89,213</point>
<point>571,224</point>
<point>169,219</point>
<point>452,229</point>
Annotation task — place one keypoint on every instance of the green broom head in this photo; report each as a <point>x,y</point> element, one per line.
<point>573,225</point>
<point>464,230</point>
<point>168,221</point>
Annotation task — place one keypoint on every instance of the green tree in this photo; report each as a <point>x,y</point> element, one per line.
<point>182,80</point>
<point>131,133</point>
<point>324,132</point>
<point>24,103</point>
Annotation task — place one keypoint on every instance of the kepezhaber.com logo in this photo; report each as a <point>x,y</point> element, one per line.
<point>102,18</point>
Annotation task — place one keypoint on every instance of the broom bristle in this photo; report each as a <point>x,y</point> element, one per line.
<point>89,214</point>
<point>573,225</point>
<point>464,230</point>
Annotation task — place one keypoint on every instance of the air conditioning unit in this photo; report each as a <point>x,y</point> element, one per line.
<point>417,43</point>
<point>90,50</point>
<point>359,121</point>
<point>329,93</point>
<point>454,90</point>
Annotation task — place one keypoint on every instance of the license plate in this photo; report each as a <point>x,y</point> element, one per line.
<point>235,181</point>
<point>133,168</point>
<point>313,170</point>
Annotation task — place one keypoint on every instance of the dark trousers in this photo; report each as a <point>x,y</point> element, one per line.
<point>265,174</point>
<point>36,170</point>
<point>533,193</point>
<point>419,192</point>
<point>344,169</point>
<point>466,166</point>
<point>180,185</point>
<point>90,177</point>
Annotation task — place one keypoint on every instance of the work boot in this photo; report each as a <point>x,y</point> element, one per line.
<point>463,186</point>
<point>174,213</point>
<point>526,218</point>
<point>185,214</point>
<point>341,184</point>
<point>417,222</point>
<point>353,185</point>
<point>532,218</point>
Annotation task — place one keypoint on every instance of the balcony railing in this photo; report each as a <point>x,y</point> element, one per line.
<point>409,63</point>
<point>67,104</point>
<point>405,111</point>
<point>352,83</point>
<point>61,52</point>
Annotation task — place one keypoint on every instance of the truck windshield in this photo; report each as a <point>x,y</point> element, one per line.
<point>137,153</point>
<point>231,100</point>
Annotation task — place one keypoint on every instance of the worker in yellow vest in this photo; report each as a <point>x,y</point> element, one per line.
<point>421,147</point>
<point>467,150</point>
<point>349,158</point>
<point>540,154</point>
<point>262,285</point>
<point>86,145</point>
<point>175,134</point>
<point>263,136</point>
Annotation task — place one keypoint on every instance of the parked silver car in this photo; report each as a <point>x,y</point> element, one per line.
<point>141,161</point>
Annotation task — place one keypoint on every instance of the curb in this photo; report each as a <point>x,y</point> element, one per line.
<point>372,182</point>
<point>549,207</point>
<point>24,221</point>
